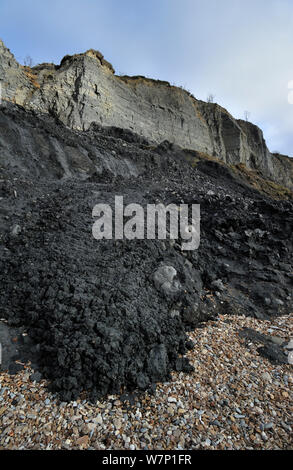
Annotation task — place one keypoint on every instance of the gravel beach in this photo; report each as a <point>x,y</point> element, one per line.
<point>234,400</point>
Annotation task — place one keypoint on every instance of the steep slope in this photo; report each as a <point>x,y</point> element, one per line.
<point>84,89</point>
<point>98,318</point>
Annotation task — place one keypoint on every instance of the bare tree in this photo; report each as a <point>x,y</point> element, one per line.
<point>211,98</point>
<point>28,61</point>
<point>247,115</point>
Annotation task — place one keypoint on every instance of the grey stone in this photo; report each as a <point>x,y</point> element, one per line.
<point>289,345</point>
<point>164,280</point>
<point>266,377</point>
<point>16,229</point>
<point>36,377</point>
<point>172,400</point>
<point>174,314</point>
<point>268,425</point>
<point>218,284</point>
<point>276,340</point>
<point>98,419</point>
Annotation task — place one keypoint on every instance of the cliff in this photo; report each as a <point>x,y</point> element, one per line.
<point>84,90</point>
<point>111,316</point>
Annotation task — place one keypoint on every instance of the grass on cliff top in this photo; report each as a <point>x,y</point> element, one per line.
<point>268,187</point>
<point>31,76</point>
<point>251,177</point>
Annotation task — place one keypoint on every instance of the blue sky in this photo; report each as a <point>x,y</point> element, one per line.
<point>240,51</point>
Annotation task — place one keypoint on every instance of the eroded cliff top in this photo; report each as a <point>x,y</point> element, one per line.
<point>84,89</point>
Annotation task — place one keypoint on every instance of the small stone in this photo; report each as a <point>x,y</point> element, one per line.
<point>98,419</point>
<point>286,426</point>
<point>36,377</point>
<point>16,229</point>
<point>269,426</point>
<point>290,358</point>
<point>218,284</point>
<point>172,400</point>
<point>82,441</point>
<point>277,340</point>
<point>91,426</point>
<point>117,423</point>
<point>266,377</point>
<point>216,423</point>
<point>258,410</point>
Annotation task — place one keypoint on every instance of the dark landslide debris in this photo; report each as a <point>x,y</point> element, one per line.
<point>273,348</point>
<point>111,316</point>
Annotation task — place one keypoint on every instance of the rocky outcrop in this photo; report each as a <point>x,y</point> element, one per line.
<point>84,90</point>
<point>15,82</point>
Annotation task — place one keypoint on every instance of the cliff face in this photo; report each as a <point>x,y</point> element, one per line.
<point>106,315</point>
<point>84,89</point>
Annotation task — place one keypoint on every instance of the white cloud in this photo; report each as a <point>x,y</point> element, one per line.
<point>248,50</point>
